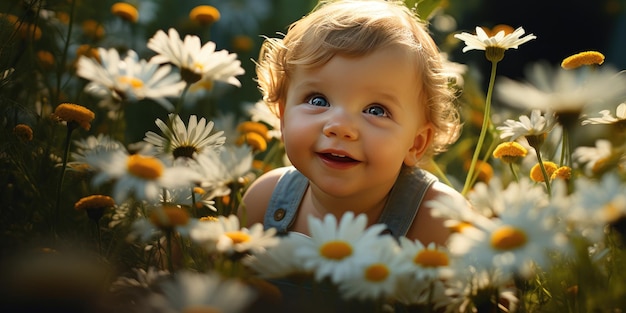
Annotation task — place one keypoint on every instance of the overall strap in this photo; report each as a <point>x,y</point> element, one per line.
<point>285,200</point>
<point>405,199</point>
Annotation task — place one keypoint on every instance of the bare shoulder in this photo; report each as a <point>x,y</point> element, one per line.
<point>427,228</point>
<point>257,197</point>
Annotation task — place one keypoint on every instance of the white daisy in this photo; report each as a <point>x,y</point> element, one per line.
<point>141,176</point>
<point>242,239</point>
<point>469,285</point>
<point>206,233</point>
<point>161,219</point>
<point>261,112</point>
<point>481,40</point>
<point>183,141</point>
<point>597,159</point>
<point>456,212</point>
<point>537,124</point>
<point>229,166</point>
<point>197,62</point>
<point>280,260</point>
<point>597,203</point>
<point>196,197</point>
<point>558,90</point>
<point>94,145</point>
<point>190,291</point>
<point>426,263</point>
<point>608,118</point>
<point>515,243</point>
<point>331,251</point>
<point>375,272</point>
<point>130,79</point>
<point>492,199</point>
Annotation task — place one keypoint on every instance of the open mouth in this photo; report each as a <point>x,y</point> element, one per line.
<point>337,158</point>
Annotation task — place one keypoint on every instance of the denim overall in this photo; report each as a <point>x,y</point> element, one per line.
<point>398,214</point>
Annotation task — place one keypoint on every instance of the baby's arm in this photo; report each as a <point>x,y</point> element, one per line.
<point>257,197</point>
<point>427,228</point>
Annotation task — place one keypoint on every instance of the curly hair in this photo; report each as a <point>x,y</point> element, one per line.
<point>355,28</point>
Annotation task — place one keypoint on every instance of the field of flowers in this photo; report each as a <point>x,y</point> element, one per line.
<point>130,131</point>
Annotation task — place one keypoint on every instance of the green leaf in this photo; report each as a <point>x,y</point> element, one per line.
<point>424,8</point>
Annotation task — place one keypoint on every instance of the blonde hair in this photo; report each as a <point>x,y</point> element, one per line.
<point>355,28</point>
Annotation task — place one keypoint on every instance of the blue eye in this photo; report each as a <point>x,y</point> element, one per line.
<point>376,110</point>
<point>318,101</point>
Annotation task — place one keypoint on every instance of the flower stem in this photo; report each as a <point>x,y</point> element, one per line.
<point>483,130</point>
<point>513,171</point>
<point>546,179</point>
<point>66,151</point>
<point>66,46</point>
<point>168,247</point>
<point>181,100</point>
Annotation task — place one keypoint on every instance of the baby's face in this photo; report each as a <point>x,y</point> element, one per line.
<point>350,124</point>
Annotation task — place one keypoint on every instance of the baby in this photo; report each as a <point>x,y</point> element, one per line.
<point>362,99</point>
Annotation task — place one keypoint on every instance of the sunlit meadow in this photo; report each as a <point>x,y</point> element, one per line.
<point>128,140</point>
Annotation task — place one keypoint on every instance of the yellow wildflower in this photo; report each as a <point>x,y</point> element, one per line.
<point>510,152</point>
<point>204,14</point>
<point>242,43</point>
<point>94,202</point>
<point>74,113</point>
<point>93,29</point>
<point>563,172</point>
<point>168,217</point>
<point>23,132</point>
<point>255,127</point>
<point>125,11</point>
<point>45,59</point>
<point>583,58</point>
<point>536,174</point>
<point>254,140</point>
<point>94,205</point>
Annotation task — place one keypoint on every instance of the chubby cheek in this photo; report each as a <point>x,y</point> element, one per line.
<point>299,137</point>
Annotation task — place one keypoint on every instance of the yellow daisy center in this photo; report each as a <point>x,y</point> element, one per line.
<point>508,238</point>
<point>168,217</point>
<point>458,228</point>
<point>134,82</point>
<point>125,11</point>
<point>204,14</point>
<point>238,236</point>
<point>431,258</point>
<point>498,28</point>
<point>94,202</point>
<point>209,219</point>
<point>376,272</point>
<point>145,167</point>
<point>583,58</point>
<point>336,250</point>
<point>537,175</point>
<point>75,113</point>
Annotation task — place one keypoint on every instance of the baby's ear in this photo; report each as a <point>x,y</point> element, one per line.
<point>421,143</point>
